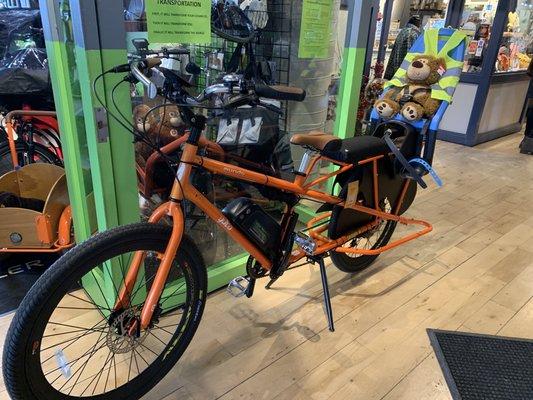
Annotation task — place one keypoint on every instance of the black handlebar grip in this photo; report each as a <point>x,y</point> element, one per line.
<point>280,92</point>
<point>178,52</point>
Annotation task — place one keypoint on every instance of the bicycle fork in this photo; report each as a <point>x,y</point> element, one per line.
<point>172,209</point>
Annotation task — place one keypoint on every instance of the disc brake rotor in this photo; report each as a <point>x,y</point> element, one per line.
<point>119,340</point>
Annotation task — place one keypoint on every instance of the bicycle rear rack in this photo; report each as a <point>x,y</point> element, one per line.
<point>325,244</point>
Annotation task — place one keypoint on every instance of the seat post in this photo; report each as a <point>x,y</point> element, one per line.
<point>306,160</point>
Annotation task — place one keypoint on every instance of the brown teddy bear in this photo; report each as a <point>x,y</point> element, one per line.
<point>163,124</point>
<point>414,100</point>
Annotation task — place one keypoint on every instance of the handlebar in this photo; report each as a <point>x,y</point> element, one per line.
<point>167,52</point>
<point>136,67</point>
<point>281,92</point>
<point>142,48</point>
<point>233,85</point>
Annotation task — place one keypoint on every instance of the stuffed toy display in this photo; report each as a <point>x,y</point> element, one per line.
<point>163,125</point>
<point>503,63</point>
<point>414,101</point>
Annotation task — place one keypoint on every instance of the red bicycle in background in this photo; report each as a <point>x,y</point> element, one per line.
<point>29,136</point>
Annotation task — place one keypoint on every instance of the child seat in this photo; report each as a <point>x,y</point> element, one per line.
<point>449,44</point>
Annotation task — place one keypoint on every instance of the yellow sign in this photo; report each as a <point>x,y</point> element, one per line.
<point>315,31</point>
<point>179,21</point>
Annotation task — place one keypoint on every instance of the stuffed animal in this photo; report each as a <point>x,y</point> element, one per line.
<point>524,60</point>
<point>504,62</point>
<point>513,22</point>
<point>163,126</point>
<point>414,100</point>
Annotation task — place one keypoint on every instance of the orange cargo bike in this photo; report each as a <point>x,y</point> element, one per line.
<point>116,313</point>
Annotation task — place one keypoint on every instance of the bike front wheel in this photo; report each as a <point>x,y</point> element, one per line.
<point>68,340</point>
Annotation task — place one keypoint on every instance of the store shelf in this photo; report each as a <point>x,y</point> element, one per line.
<point>427,11</point>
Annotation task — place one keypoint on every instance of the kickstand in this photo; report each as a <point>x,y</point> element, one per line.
<point>270,283</point>
<point>325,287</point>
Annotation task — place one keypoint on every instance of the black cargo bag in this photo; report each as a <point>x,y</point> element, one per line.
<point>253,134</point>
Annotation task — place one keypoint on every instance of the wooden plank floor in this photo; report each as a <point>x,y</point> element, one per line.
<point>473,273</point>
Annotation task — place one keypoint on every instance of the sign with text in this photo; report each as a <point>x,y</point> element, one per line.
<point>315,31</point>
<point>179,21</point>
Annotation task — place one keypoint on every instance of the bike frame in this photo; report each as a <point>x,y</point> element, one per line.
<point>43,119</point>
<point>183,189</point>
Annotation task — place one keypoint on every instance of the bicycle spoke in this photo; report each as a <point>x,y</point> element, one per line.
<point>74,326</point>
<point>142,286</point>
<point>72,342</point>
<point>69,340</point>
<point>99,374</point>
<point>129,368</point>
<point>167,326</point>
<point>100,289</point>
<point>73,362</point>
<point>135,358</point>
<point>83,368</point>
<point>150,350</point>
<point>86,301</point>
<point>142,358</point>
<point>164,344</point>
<point>75,308</point>
<point>115,368</point>
<point>170,333</point>
<point>109,372</point>
<point>173,293</point>
<point>64,333</point>
<point>112,280</point>
<point>124,274</point>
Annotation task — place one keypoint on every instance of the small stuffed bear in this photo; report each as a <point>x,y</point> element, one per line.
<point>163,125</point>
<point>414,100</point>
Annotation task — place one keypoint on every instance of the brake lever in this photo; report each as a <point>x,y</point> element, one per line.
<point>271,107</point>
<point>239,101</point>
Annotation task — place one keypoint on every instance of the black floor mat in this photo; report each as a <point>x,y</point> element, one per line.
<point>482,367</point>
<point>18,272</point>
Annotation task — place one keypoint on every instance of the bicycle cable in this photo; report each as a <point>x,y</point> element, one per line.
<point>139,136</point>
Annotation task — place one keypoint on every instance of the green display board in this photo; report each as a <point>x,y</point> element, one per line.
<point>179,21</point>
<point>315,31</point>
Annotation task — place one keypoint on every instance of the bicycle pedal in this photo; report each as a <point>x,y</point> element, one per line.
<point>307,244</point>
<point>238,287</point>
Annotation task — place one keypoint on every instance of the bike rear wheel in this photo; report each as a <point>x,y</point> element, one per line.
<point>67,341</point>
<point>371,240</point>
<point>40,154</point>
